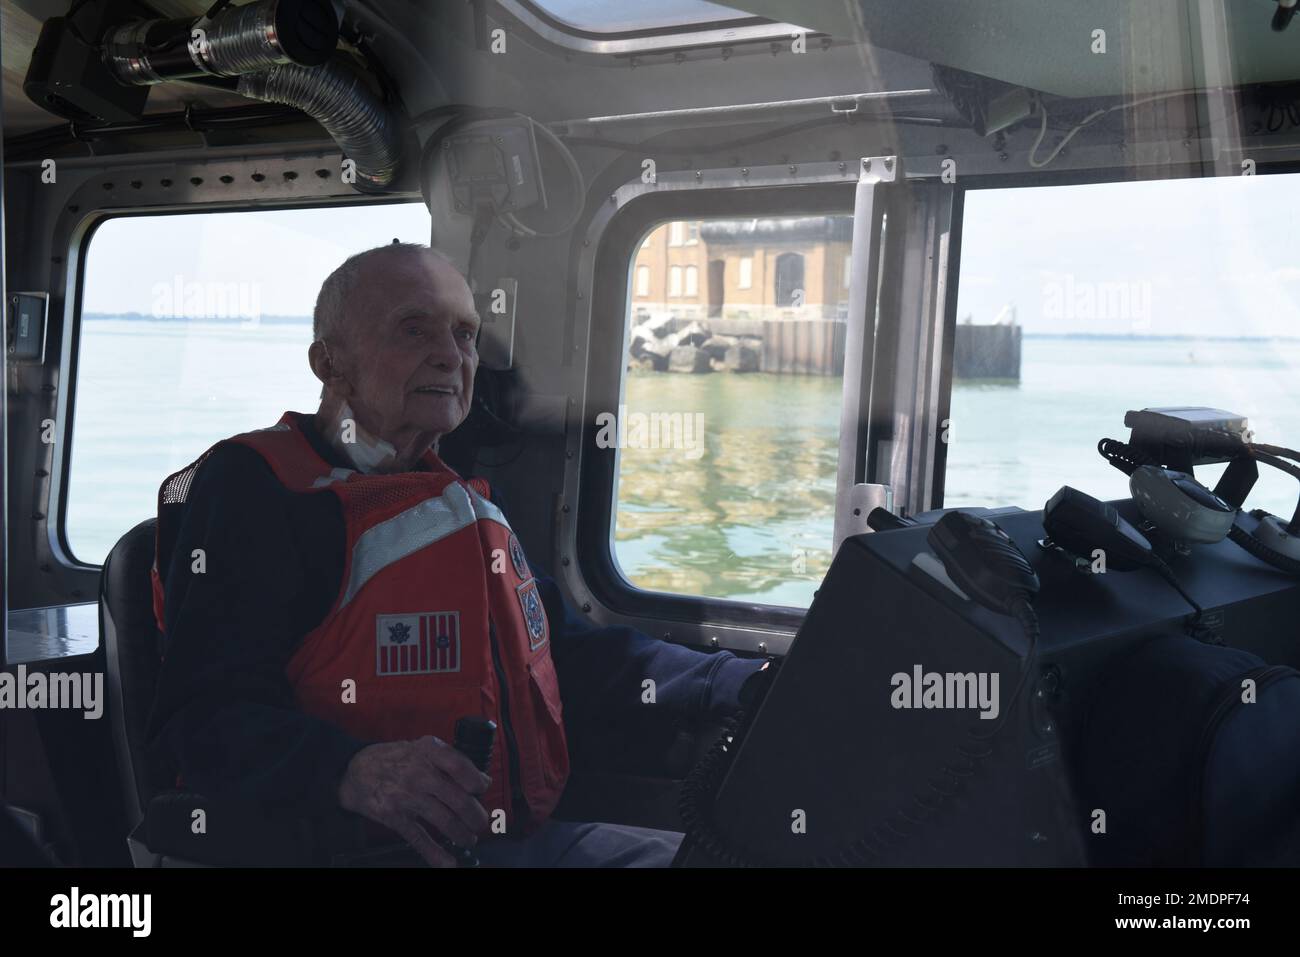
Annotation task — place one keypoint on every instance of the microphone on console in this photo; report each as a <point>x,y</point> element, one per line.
<point>1283,14</point>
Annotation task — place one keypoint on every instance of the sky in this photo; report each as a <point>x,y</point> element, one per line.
<point>1158,257</point>
<point>607,16</point>
<point>278,258</point>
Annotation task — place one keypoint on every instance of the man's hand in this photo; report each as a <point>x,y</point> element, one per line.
<point>416,788</point>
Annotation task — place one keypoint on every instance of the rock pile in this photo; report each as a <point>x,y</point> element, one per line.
<point>693,348</point>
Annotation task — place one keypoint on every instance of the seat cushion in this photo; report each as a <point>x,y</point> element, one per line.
<point>133,651</point>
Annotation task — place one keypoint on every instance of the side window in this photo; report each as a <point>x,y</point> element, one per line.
<point>194,328</point>
<point>727,432</point>
<point>1078,303</point>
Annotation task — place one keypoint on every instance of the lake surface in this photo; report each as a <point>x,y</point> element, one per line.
<point>751,516</point>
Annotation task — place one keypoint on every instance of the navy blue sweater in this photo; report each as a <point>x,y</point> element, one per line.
<point>224,715</point>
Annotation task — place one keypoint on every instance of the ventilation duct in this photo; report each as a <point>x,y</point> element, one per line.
<point>238,40</point>
<point>336,98</point>
<point>281,52</point>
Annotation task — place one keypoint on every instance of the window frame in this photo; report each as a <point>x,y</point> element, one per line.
<point>82,238</point>
<point>597,565</point>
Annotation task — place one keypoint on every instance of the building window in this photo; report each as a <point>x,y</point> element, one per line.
<point>692,233</point>
<point>717,286</point>
<point>194,327</point>
<point>675,281</point>
<point>789,280</point>
<point>692,281</point>
<point>848,270</point>
<point>643,280</point>
<point>746,278</point>
<point>675,233</point>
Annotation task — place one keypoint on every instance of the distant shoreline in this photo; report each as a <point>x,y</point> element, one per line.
<point>231,320</point>
<point>1112,337</point>
<point>306,320</point>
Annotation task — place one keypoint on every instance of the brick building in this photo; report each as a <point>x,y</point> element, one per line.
<point>789,268</point>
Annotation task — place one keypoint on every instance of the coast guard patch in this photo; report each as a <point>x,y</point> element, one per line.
<point>419,644</point>
<point>530,600</point>
<point>518,560</point>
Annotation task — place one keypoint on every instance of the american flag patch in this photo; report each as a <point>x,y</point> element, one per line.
<point>419,644</point>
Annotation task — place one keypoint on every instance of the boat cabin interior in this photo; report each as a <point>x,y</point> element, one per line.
<point>928,369</point>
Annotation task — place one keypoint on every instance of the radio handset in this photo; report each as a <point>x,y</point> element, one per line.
<point>474,739</point>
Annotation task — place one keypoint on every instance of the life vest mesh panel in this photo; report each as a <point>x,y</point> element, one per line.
<point>383,495</point>
<point>177,488</point>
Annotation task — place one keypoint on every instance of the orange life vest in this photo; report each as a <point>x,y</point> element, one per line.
<point>438,617</point>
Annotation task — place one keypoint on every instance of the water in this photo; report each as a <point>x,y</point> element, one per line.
<point>752,517</point>
<point>1018,444</point>
<point>153,395</point>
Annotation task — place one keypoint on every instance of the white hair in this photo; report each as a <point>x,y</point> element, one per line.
<point>329,320</point>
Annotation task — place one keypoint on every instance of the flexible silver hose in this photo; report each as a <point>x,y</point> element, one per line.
<point>337,99</point>
<point>242,40</point>
<point>245,42</point>
<point>238,40</point>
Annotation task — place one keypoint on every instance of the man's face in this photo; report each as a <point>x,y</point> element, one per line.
<point>410,346</point>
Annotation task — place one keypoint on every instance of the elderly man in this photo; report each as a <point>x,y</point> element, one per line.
<point>334,598</point>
